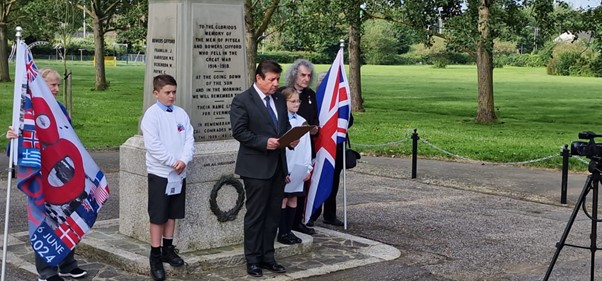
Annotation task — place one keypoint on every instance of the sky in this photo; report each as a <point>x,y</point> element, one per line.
<point>583,3</point>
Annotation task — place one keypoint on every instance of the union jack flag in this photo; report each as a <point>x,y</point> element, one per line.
<point>31,68</point>
<point>334,108</point>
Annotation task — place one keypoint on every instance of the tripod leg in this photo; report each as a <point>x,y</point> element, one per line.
<point>569,224</point>
<point>594,233</point>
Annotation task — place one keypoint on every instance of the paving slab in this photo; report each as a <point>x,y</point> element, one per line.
<point>123,257</point>
<point>455,221</point>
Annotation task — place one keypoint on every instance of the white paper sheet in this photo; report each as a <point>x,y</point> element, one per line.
<point>174,184</point>
<point>298,174</point>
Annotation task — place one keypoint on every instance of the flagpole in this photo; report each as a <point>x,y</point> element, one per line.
<point>12,148</point>
<point>344,156</point>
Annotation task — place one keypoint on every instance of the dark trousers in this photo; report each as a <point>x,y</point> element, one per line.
<point>45,271</point>
<point>264,200</point>
<point>330,205</point>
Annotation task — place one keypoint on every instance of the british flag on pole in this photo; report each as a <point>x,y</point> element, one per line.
<point>334,108</point>
<point>64,186</point>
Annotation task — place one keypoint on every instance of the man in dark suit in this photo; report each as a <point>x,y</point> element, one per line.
<point>258,118</point>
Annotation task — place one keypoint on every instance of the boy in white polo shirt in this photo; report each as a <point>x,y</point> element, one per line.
<point>169,143</point>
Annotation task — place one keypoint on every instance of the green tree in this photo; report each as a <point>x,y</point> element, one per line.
<point>354,19</point>
<point>471,28</point>
<point>8,16</point>
<point>310,25</point>
<point>258,15</point>
<point>104,14</point>
<point>592,22</point>
<point>380,43</point>
<point>47,18</point>
<point>308,28</point>
<point>134,25</point>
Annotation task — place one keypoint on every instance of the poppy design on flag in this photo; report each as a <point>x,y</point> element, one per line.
<point>64,186</point>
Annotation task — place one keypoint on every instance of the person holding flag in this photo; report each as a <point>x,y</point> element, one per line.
<point>68,266</point>
<point>334,105</point>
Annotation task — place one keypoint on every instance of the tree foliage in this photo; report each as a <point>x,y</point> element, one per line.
<point>258,15</point>
<point>104,14</point>
<point>134,23</point>
<point>8,16</point>
<point>46,18</point>
<point>380,44</point>
<point>470,26</point>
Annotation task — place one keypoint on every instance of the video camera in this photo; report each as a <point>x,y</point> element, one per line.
<point>590,149</point>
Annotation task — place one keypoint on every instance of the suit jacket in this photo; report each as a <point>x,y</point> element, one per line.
<point>252,126</point>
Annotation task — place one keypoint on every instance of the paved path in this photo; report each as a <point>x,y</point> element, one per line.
<point>456,221</point>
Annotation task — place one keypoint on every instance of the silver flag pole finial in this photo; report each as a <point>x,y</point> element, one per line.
<point>18,36</point>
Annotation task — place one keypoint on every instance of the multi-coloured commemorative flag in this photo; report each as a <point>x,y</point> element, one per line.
<point>64,186</point>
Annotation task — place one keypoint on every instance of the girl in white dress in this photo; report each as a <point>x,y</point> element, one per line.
<point>300,157</point>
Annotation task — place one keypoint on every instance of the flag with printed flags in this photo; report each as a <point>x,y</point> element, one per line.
<point>65,188</point>
<point>334,107</point>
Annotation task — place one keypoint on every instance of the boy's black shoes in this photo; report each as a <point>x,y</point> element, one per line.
<point>169,254</point>
<point>156,268</point>
<point>310,222</point>
<point>289,239</point>
<point>304,229</point>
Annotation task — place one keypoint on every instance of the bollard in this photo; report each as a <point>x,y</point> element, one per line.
<point>415,139</point>
<point>565,153</point>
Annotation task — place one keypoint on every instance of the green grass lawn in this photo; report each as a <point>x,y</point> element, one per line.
<point>537,113</point>
<point>102,119</point>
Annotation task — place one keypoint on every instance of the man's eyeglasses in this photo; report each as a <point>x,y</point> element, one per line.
<point>294,101</point>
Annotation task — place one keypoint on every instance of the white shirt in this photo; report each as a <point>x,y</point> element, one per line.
<point>262,97</point>
<point>168,137</point>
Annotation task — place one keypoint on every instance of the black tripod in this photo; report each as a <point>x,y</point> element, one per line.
<point>591,184</point>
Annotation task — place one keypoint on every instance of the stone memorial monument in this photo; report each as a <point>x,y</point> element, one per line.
<point>202,44</point>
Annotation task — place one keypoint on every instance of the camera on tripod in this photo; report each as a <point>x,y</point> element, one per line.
<point>591,149</point>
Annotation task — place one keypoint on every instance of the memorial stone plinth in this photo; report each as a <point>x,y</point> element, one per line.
<point>201,44</point>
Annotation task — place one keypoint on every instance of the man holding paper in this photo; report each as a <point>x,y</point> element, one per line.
<point>258,118</point>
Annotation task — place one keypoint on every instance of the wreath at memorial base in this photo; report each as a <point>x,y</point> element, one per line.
<point>230,215</point>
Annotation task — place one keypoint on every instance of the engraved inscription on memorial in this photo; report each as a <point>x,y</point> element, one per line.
<point>219,71</point>
<point>163,50</point>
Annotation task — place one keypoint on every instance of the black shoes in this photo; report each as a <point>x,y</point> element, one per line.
<point>304,229</point>
<point>52,278</point>
<point>169,255</point>
<point>254,270</point>
<point>310,222</point>
<point>75,273</point>
<point>156,268</point>
<point>273,267</point>
<point>335,222</point>
<point>289,239</point>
